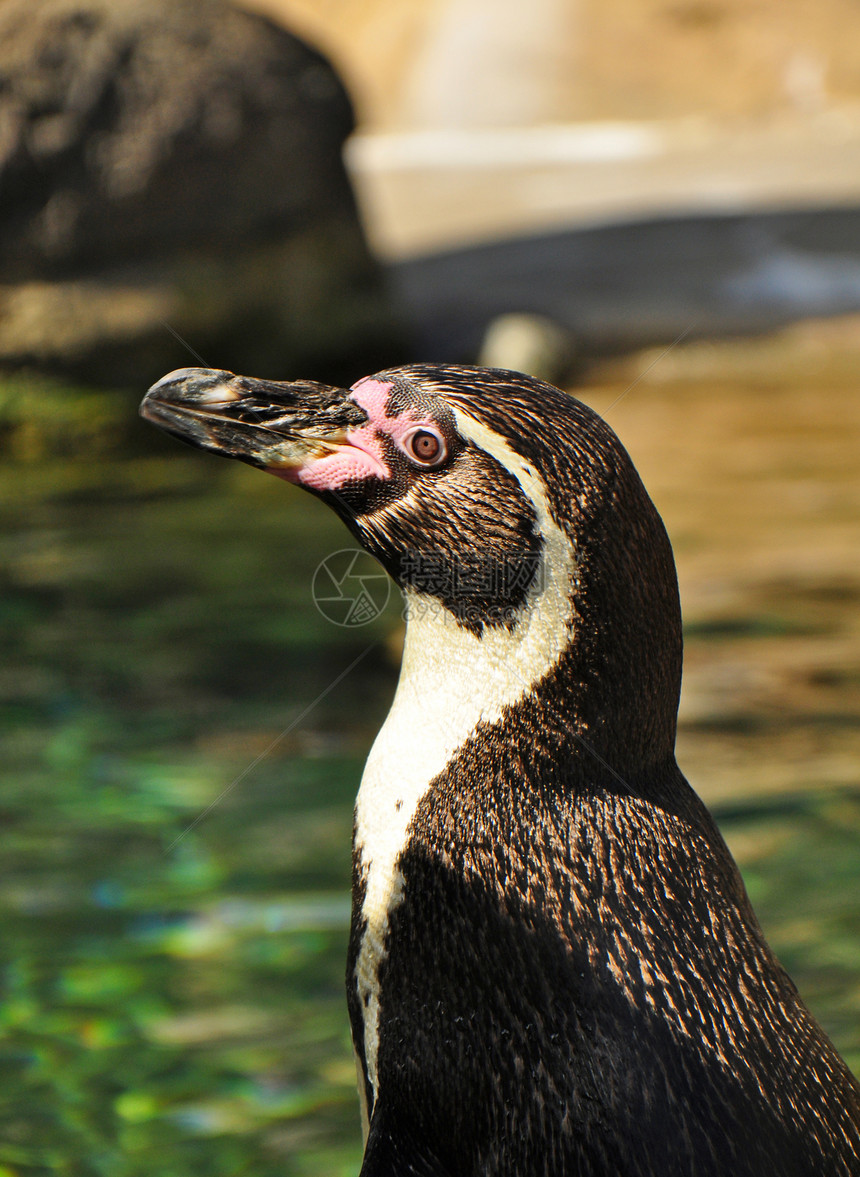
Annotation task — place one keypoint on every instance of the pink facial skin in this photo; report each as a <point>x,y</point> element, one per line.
<point>372,395</point>
<point>364,455</point>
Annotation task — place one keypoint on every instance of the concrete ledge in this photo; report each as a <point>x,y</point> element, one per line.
<point>425,191</point>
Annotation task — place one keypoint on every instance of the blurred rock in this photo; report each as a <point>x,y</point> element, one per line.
<point>176,162</point>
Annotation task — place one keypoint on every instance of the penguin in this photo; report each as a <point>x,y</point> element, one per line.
<point>553,968</point>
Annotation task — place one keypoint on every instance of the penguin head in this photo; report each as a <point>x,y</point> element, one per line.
<point>486,494</point>
<point>449,476</point>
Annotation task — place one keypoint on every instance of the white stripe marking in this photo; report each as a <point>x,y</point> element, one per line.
<point>450,681</point>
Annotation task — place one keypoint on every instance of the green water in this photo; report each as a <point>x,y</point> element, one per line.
<point>176,809</point>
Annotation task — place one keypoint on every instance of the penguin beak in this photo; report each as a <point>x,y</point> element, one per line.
<point>280,427</point>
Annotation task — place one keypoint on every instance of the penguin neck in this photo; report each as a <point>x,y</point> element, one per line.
<point>597,691</point>
<point>596,695</point>
<point>453,681</point>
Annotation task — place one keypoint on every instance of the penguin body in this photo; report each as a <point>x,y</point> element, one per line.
<point>553,965</point>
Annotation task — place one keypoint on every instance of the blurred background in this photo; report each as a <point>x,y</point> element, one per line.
<point>655,204</point>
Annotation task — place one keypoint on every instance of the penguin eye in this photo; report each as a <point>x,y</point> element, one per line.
<point>426,447</point>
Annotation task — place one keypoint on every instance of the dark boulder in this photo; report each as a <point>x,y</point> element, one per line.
<point>179,162</point>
